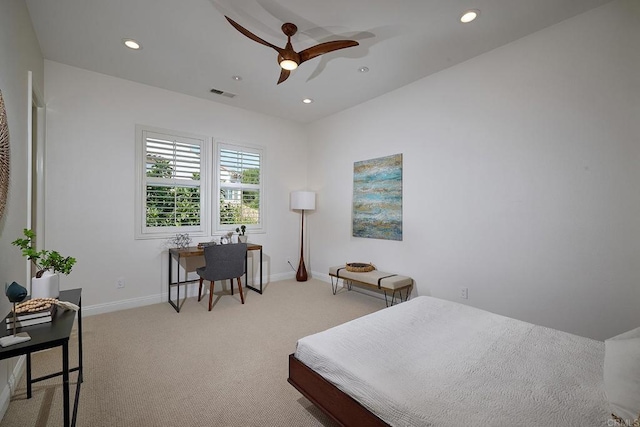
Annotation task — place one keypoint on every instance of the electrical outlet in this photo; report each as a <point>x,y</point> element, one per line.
<point>464,293</point>
<point>120,282</point>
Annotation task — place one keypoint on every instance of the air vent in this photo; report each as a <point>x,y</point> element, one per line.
<point>223,93</point>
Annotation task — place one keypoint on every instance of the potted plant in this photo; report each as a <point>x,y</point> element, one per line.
<point>48,264</point>
<point>241,237</point>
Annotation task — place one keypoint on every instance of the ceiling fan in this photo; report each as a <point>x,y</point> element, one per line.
<point>288,58</point>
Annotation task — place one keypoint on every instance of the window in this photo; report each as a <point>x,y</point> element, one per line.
<point>171,191</point>
<point>240,184</point>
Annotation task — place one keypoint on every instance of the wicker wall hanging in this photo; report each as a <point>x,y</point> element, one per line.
<point>4,157</point>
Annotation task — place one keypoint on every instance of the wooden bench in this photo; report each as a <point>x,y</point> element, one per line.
<point>376,279</point>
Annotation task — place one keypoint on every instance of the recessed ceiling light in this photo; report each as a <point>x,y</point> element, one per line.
<point>237,78</point>
<point>132,44</point>
<point>469,15</point>
<point>363,69</point>
<point>307,100</point>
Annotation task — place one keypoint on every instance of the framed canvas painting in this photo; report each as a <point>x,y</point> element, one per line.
<point>377,198</point>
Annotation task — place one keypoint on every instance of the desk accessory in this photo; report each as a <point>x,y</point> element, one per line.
<point>15,293</point>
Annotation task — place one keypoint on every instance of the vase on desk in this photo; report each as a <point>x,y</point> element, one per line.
<point>242,238</point>
<point>47,286</point>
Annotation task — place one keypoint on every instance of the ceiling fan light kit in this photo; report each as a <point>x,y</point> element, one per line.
<point>288,58</point>
<point>288,64</point>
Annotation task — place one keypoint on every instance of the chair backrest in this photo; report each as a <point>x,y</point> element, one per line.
<point>224,261</point>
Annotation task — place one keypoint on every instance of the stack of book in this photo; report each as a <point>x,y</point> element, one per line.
<point>30,318</point>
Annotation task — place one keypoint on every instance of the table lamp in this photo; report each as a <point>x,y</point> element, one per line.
<point>15,293</point>
<point>302,201</point>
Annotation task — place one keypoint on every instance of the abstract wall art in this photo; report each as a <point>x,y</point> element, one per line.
<point>377,198</point>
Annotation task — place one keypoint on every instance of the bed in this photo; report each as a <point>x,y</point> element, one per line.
<point>431,362</point>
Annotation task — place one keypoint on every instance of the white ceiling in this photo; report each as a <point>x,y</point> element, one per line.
<point>189,47</point>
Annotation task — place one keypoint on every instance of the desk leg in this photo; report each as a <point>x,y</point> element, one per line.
<point>246,279</point>
<point>65,383</point>
<point>260,271</point>
<point>178,290</point>
<point>246,270</point>
<point>80,379</point>
<point>170,276</point>
<point>175,305</point>
<point>28,375</point>
<point>80,342</point>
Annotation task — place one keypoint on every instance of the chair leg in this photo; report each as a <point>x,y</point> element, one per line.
<point>231,284</point>
<point>210,295</point>
<point>239,288</point>
<point>200,290</point>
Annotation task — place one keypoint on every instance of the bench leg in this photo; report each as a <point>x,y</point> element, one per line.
<point>406,298</point>
<point>393,296</point>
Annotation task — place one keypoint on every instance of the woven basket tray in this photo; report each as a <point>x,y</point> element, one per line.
<point>359,267</point>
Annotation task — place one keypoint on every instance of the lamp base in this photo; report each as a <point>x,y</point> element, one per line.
<point>301,274</point>
<point>14,339</point>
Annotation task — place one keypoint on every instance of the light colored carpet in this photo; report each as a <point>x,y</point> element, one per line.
<point>151,366</point>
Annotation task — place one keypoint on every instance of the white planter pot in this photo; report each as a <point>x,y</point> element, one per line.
<point>47,286</point>
<point>242,239</point>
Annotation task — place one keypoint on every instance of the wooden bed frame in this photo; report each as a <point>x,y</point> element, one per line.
<point>339,406</point>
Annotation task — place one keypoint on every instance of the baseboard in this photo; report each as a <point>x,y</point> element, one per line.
<point>282,276</point>
<point>12,383</point>
<point>122,304</point>
<point>190,288</point>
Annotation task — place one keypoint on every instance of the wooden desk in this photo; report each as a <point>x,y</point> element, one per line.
<point>48,335</point>
<point>192,251</point>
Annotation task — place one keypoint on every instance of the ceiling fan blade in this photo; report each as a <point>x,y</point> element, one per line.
<point>284,75</point>
<point>326,47</point>
<point>251,35</point>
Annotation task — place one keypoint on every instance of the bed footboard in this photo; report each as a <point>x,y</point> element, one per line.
<point>339,406</point>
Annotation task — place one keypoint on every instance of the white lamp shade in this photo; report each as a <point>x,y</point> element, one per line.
<point>303,200</point>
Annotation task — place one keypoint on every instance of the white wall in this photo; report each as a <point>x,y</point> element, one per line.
<point>19,53</point>
<point>90,173</point>
<point>521,172</point>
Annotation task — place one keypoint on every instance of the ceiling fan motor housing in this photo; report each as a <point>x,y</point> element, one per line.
<point>288,55</point>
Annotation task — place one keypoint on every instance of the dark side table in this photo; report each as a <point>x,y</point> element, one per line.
<point>48,335</point>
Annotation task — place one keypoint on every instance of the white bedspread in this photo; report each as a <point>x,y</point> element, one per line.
<point>431,362</point>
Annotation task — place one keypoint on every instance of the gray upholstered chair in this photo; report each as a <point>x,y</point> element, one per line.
<point>223,262</point>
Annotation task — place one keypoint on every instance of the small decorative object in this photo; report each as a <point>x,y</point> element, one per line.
<point>15,293</point>
<point>359,267</point>
<point>181,241</point>
<point>241,237</point>
<point>226,238</point>
<point>203,245</point>
<point>32,312</point>
<point>46,283</point>
<point>4,156</point>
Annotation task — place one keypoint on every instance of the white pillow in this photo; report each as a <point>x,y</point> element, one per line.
<point>622,374</point>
